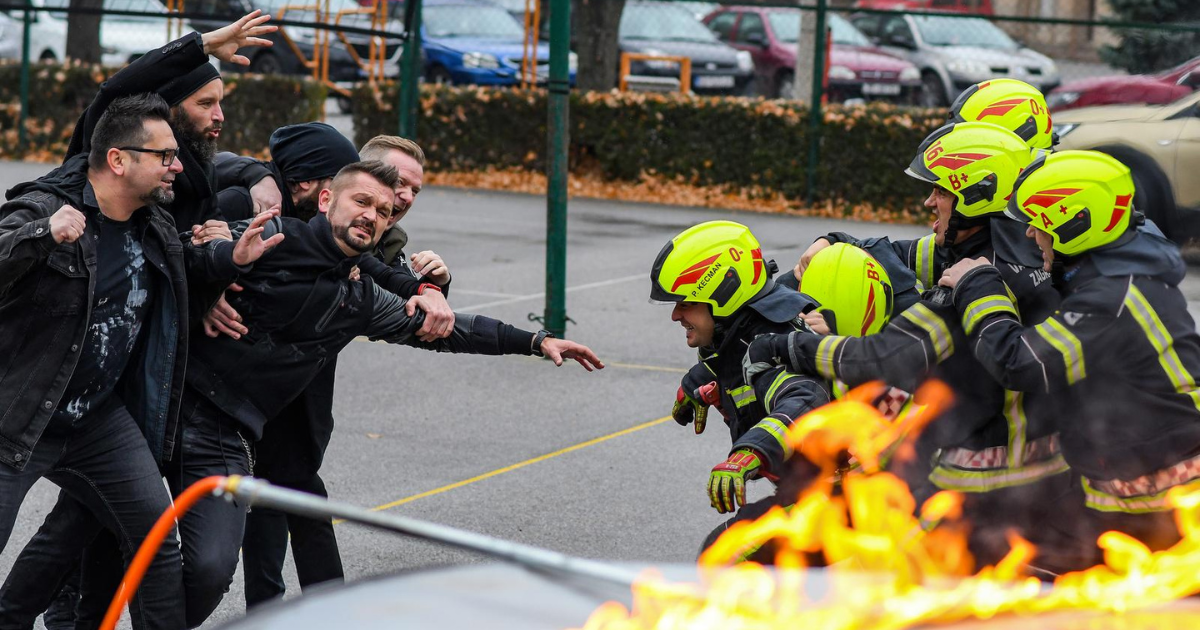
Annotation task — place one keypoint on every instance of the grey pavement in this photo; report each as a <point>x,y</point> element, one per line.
<point>411,422</point>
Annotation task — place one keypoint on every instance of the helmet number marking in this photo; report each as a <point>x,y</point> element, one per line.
<point>955,182</point>
<point>735,253</point>
<point>933,151</point>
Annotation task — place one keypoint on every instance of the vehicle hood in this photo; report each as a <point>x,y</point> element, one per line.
<point>1107,113</point>
<point>992,56</point>
<point>699,52</point>
<point>1133,82</point>
<point>865,58</point>
<point>499,48</point>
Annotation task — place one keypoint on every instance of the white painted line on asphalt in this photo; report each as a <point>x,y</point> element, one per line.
<point>484,293</point>
<point>534,296</point>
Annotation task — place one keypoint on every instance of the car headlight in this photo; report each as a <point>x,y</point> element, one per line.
<point>910,74</point>
<point>480,60</point>
<point>744,61</point>
<point>572,62</point>
<point>1058,99</point>
<point>968,68</point>
<point>841,73</point>
<point>1062,129</point>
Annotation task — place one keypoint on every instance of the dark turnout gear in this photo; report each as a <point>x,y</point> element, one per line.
<point>1121,347</point>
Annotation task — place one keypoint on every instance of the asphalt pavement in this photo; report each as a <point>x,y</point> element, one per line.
<point>586,464</point>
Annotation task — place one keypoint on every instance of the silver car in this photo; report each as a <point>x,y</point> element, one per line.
<point>954,53</point>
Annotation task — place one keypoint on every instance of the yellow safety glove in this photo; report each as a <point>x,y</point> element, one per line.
<point>727,481</point>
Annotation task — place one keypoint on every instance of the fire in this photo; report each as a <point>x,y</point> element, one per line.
<point>887,565</point>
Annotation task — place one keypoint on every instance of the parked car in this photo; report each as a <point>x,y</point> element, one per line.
<point>1153,89</point>
<point>661,28</point>
<point>123,38</point>
<point>857,70</point>
<point>954,53</point>
<point>477,42</point>
<point>1159,143</point>
<point>981,7</point>
<point>290,42</point>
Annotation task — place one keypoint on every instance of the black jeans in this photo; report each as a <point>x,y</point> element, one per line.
<point>106,469</point>
<point>264,548</point>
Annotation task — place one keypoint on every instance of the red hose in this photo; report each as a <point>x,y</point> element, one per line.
<point>141,561</point>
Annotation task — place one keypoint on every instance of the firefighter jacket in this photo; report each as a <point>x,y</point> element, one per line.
<point>990,438</point>
<point>759,414</point>
<point>1122,356</point>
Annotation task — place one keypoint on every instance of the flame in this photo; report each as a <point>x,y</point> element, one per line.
<point>889,566</point>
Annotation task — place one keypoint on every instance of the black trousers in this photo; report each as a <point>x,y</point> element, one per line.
<point>264,548</point>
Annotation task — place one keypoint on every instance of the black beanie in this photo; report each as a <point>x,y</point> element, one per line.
<point>310,151</point>
<point>186,85</point>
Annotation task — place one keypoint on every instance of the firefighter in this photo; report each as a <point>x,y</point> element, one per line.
<point>1122,352</point>
<point>995,445</point>
<point>715,276</point>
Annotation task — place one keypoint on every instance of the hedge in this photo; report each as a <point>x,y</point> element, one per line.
<point>731,142</point>
<point>254,106</point>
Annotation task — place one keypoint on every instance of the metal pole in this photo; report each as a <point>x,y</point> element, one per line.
<point>555,316</point>
<point>410,71</point>
<point>22,134</point>
<point>814,112</point>
<point>261,494</point>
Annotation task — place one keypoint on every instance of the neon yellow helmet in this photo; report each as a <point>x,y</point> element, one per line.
<point>1084,199</point>
<point>718,263</point>
<point>1009,103</point>
<point>846,280</point>
<point>976,162</point>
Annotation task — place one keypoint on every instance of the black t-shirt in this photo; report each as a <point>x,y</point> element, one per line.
<point>123,295</point>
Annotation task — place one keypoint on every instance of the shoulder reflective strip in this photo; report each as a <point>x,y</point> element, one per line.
<point>778,430</point>
<point>1104,502</point>
<point>1014,413</point>
<point>979,309</point>
<point>826,351</point>
<point>1163,344</point>
<point>774,388</point>
<point>743,396</point>
<point>939,333</point>
<point>1067,344</point>
<point>949,478</point>
<point>924,266</point>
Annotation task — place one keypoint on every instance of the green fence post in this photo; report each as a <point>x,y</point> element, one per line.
<point>22,134</point>
<point>559,88</point>
<point>410,72</point>
<point>818,89</point>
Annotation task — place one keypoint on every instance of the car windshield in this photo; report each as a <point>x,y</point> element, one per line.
<point>140,6</point>
<point>951,31</point>
<point>663,23</point>
<point>786,26</point>
<point>471,21</point>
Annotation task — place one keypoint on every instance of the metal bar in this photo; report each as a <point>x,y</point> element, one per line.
<point>559,87</point>
<point>410,71</point>
<point>815,112</point>
<point>261,494</point>
<point>27,25</point>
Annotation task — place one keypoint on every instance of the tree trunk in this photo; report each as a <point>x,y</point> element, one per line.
<point>83,32</point>
<point>595,38</point>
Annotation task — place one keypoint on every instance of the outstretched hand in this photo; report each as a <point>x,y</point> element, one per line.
<point>559,349</point>
<point>251,246</point>
<point>439,317</point>
<point>224,42</point>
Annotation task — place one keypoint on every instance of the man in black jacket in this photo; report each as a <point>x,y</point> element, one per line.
<point>96,302</point>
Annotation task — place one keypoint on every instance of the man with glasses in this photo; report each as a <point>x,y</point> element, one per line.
<point>94,338</point>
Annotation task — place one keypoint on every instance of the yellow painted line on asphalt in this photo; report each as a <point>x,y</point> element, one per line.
<point>518,465</point>
<point>652,368</point>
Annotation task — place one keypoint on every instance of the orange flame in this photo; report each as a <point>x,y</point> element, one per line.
<point>888,565</point>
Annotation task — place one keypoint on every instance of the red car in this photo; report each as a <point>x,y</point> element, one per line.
<point>1151,89</point>
<point>857,69</point>
<point>979,7</point>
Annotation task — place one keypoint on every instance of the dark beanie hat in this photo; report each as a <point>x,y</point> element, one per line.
<point>310,151</point>
<point>186,85</point>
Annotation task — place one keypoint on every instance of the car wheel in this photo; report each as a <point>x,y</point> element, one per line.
<point>48,56</point>
<point>933,93</point>
<point>786,86</point>
<point>266,63</point>
<point>440,76</point>
<point>1152,194</point>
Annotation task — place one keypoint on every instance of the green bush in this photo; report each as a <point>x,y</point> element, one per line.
<point>731,142</point>
<point>254,106</point>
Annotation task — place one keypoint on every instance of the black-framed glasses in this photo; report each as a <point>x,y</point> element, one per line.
<point>167,155</point>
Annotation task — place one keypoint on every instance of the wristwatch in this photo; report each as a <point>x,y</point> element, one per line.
<point>536,346</point>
